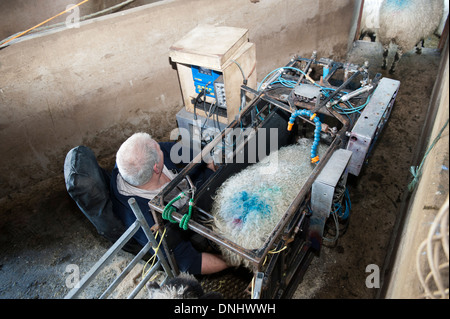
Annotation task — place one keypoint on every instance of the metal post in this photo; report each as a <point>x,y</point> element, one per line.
<point>105,258</point>
<point>125,272</point>
<point>140,217</point>
<point>144,280</point>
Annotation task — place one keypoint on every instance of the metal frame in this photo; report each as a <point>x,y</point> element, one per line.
<point>279,235</point>
<point>127,235</point>
<point>255,257</point>
<point>324,186</point>
<point>298,255</point>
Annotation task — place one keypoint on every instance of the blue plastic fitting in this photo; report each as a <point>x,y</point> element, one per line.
<point>317,130</point>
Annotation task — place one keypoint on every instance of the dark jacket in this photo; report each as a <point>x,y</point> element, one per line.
<point>176,237</point>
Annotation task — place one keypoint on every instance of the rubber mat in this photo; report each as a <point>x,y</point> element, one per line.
<point>231,283</point>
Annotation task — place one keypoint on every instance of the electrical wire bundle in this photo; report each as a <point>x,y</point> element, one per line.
<point>340,215</point>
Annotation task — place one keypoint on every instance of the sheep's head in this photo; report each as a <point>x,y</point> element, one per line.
<point>184,286</point>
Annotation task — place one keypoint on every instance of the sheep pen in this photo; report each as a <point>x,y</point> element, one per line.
<point>250,203</point>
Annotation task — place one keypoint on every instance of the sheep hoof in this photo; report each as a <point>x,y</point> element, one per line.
<point>391,71</point>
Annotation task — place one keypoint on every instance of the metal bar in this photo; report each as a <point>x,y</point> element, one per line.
<point>339,89</point>
<point>144,280</point>
<point>276,103</point>
<point>308,65</point>
<point>301,262</point>
<point>160,226</point>
<point>192,225</point>
<point>139,223</point>
<point>258,285</point>
<point>208,215</point>
<point>125,272</point>
<point>105,258</point>
<point>137,211</point>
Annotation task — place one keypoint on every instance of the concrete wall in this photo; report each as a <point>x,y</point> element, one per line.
<point>98,84</point>
<point>20,15</point>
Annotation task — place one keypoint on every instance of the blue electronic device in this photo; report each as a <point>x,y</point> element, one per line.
<point>204,79</point>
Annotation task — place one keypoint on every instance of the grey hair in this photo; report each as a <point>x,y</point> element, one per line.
<point>136,158</point>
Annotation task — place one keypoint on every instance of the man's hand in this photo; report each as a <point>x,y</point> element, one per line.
<point>211,166</point>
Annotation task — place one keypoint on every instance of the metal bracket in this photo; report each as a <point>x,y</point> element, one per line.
<point>323,190</point>
<point>371,122</point>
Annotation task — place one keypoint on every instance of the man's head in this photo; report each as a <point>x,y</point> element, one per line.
<point>137,158</point>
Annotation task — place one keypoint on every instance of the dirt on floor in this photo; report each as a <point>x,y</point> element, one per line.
<point>45,239</point>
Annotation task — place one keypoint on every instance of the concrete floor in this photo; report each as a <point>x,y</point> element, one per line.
<point>42,232</point>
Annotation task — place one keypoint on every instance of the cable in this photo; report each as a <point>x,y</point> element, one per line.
<point>169,209</point>
<point>416,171</point>
<point>154,255</point>
<point>89,16</point>
<point>242,71</point>
<point>44,22</point>
<point>435,247</point>
<point>339,213</point>
<point>336,223</point>
<point>276,70</point>
<point>292,84</point>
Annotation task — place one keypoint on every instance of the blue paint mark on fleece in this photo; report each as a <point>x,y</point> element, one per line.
<point>245,204</point>
<point>398,4</point>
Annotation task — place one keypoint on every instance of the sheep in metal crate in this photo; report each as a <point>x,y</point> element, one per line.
<point>248,205</point>
<point>405,23</point>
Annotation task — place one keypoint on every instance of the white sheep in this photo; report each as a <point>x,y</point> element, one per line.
<point>370,19</point>
<point>248,205</point>
<point>405,23</point>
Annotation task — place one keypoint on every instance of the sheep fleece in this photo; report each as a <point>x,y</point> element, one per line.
<point>249,204</point>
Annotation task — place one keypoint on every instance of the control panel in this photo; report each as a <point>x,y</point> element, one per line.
<point>211,81</point>
<point>204,79</point>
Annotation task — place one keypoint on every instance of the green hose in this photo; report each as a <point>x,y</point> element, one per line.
<point>169,209</point>
<point>186,217</point>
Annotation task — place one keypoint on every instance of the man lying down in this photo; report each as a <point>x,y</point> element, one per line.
<point>246,208</point>
<point>143,168</point>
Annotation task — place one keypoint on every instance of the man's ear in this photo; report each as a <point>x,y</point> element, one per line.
<point>155,168</point>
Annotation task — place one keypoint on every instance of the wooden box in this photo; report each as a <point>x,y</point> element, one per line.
<point>220,49</point>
